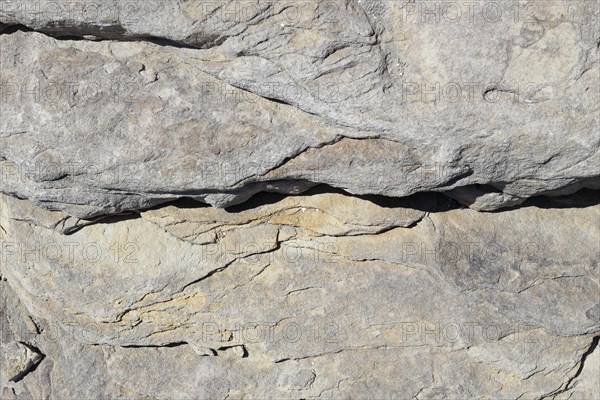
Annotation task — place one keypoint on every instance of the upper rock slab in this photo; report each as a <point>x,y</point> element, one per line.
<point>219,100</point>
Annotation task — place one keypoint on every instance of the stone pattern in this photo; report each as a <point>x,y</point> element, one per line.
<point>286,297</point>
<point>283,199</point>
<point>383,102</point>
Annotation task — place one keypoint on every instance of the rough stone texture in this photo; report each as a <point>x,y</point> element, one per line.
<point>20,360</point>
<point>299,199</point>
<point>387,101</point>
<point>285,297</point>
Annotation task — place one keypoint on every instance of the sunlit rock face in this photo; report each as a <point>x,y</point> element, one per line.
<point>351,199</point>
<point>315,295</point>
<point>220,100</point>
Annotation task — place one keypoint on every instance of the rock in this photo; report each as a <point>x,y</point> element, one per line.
<point>585,384</point>
<point>388,101</point>
<point>265,300</point>
<point>278,199</point>
<point>21,359</point>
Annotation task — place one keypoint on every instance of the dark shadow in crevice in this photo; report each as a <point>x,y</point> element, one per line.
<point>429,201</point>
<point>432,202</point>
<point>582,199</point>
<point>98,33</point>
<point>168,345</point>
<point>10,29</point>
<point>183,203</point>
<point>584,357</point>
<point>111,219</point>
<point>258,200</point>
<point>32,367</point>
<point>274,100</point>
<point>426,201</point>
<point>148,39</point>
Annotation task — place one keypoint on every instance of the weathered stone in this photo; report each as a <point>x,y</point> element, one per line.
<point>20,359</point>
<point>266,300</point>
<point>386,102</point>
<point>266,199</point>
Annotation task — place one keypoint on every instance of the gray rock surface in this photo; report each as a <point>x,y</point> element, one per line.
<point>20,360</point>
<point>332,199</point>
<point>184,99</point>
